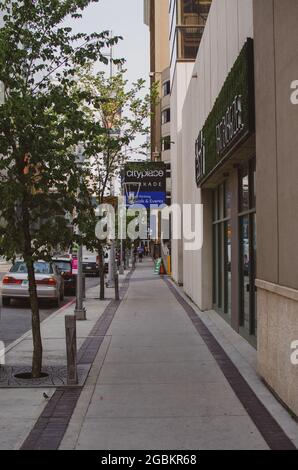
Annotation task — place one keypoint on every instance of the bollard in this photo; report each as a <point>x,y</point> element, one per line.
<point>84,286</point>
<point>117,296</point>
<point>71,349</point>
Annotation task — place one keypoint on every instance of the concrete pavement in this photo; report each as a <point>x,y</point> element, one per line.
<point>156,385</point>
<point>159,380</point>
<point>20,408</point>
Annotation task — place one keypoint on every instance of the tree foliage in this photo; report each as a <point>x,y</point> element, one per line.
<point>40,126</point>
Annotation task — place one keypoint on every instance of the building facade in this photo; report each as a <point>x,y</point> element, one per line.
<point>276,66</point>
<point>239,142</point>
<point>156,18</point>
<point>234,114</point>
<point>187,20</point>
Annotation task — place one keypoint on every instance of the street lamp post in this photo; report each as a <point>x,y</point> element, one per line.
<point>121,267</point>
<point>111,276</point>
<point>80,311</point>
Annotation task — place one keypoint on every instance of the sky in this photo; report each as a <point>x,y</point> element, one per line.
<point>124,18</point>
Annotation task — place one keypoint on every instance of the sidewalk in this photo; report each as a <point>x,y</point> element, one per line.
<point>20,408</point>
<point>162,381</point>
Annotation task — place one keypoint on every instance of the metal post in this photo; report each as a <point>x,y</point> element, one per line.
<point>84,287</point>
<point>80,311</point>
<point>112,268</point>
<point>110,282</point>
<point>117,296</point>
<point>71,349</point>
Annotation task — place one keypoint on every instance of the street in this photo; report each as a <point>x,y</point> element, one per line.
<point>16,319</point>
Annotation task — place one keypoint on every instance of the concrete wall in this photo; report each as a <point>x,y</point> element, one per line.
<point>162,48</point>
<point>229,24</point>
<point>181,80</point>
<point>156,16</point>
<point>276,63</point>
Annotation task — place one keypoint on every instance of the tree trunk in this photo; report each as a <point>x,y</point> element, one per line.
<point>37,342</point>
<point>101,273</point>
<point>35,318</point>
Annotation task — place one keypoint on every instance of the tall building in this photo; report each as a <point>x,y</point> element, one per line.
<point>187,19</point>
<point>234,114</point>
<point>156,18</point>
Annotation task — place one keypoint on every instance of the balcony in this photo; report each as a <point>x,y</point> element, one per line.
<point>191,21</point>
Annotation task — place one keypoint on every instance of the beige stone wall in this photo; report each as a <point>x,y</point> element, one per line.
<point>162,48</point>
<point>276,66</point>
<point>156,17</point>
<point>277,329</point>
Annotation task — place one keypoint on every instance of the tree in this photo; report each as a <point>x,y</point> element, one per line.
<point>40,125</point>
<point>121,111</point>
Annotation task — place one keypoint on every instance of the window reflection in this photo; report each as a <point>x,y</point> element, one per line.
<point>244,196</point>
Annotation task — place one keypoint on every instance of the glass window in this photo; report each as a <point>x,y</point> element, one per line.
<point>39,268</point>
<point>248,248</point>
<point>166,143</point>
<point>228,269</point>
<point>193,12</point>
<point>166,88</point>
<point>168,170</point>
<point>222,250</point>
<point>166,116</point>
<point>245,271</point>
<point>228,199</point>
<point>244,193</point>
<point>63,265</point>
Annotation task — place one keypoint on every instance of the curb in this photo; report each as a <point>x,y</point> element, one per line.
<point>57,312</point>
<point>25,335</point>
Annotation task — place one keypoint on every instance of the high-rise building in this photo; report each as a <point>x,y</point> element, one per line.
<point>156,18</point>
<point>187,19</point>
<point>234,140</point>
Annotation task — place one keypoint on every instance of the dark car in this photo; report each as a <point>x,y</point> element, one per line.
<point>90,264</point>
<point>70,280</point>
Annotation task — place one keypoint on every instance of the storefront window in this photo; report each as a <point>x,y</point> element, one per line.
<point>228,199</point>
<point>244,194</point>
<point>222,240</point>
<point>228,268</point>
<point>247,220</point>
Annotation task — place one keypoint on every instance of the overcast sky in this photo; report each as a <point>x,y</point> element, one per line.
<point>124,18</point>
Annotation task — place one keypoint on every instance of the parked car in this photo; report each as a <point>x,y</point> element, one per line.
<point>65,266</point>
<point>49,283</point>
<point>90,264</point>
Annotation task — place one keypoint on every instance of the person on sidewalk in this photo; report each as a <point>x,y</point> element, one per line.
<point>140,253</point>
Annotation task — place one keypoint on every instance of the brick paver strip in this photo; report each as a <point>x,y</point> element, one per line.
<point>52,424</point>
<point>264,421</point>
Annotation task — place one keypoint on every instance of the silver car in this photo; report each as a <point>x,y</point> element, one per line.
<point>49,283</point>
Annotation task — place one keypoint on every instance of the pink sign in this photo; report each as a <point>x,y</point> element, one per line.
<point>74,266</point>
